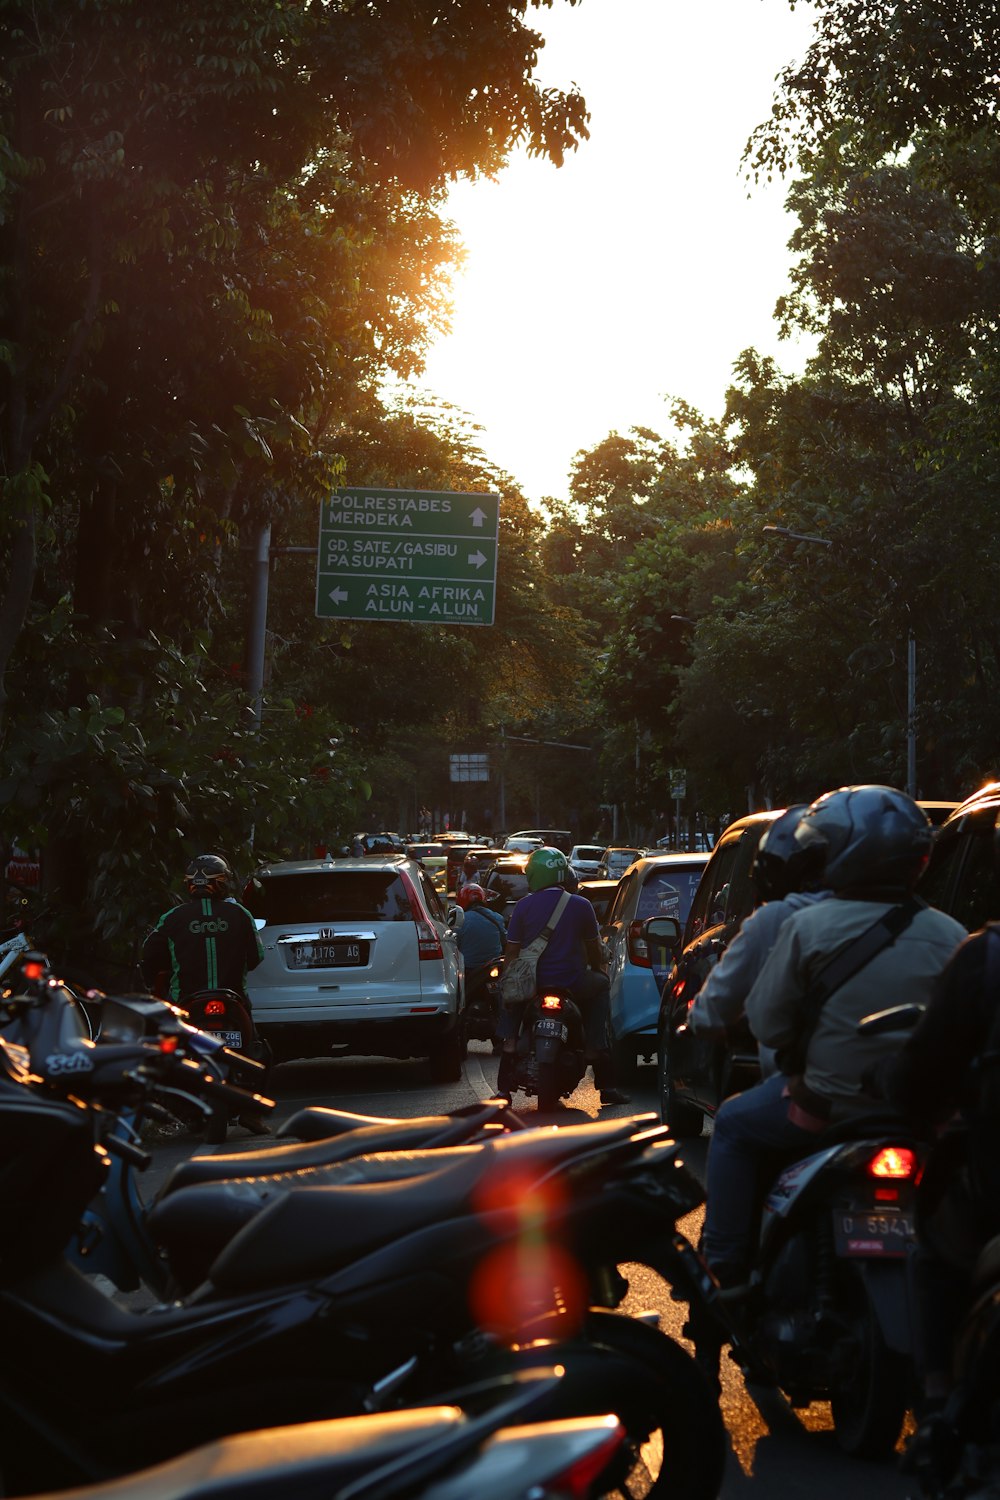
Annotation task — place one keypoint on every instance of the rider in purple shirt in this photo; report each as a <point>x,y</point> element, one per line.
<point>573,958</point>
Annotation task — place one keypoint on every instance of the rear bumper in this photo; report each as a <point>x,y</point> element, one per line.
<point>413,1036</point>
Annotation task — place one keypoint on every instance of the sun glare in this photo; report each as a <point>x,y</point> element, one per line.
<point>595,293</point>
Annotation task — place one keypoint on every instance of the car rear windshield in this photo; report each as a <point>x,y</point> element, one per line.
<point>668,893</point>
<point>329,896</point>
<point>512,884</point>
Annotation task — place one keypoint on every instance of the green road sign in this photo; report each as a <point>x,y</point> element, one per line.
<point>417,555</point>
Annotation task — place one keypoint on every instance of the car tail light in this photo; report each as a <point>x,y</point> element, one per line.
<point>638,947</point>
<point>896,1162</point>
<point>215,1007</point>
<point>428,942</point>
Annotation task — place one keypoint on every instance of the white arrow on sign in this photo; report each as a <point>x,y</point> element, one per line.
<point>478,516</point>
<point>339,596</point>
<point>477,559</point>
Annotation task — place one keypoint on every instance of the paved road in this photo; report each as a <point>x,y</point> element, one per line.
<point>775,1452</point>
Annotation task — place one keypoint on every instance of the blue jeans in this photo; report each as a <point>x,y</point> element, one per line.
<point>746,1126</point>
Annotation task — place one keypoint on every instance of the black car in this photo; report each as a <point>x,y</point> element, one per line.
<point>962,876</point>
<point>697,1072</point>
<point>505,883</point>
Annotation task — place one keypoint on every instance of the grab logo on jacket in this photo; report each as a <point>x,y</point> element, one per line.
<point>215,924</point>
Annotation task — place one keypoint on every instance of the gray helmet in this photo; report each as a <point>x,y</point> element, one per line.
<point>782,864</point>
<point>872,835</point>
<point>208,875</point>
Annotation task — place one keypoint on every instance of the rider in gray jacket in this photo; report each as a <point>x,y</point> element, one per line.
<point>786,878</point>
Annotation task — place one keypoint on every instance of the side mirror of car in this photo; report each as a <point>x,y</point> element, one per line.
<point>665,932</point>
<point>456,916</point>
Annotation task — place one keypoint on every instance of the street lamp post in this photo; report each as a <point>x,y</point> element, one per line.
<point>911,663</point>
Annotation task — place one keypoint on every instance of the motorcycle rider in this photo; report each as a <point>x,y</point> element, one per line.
<point>573,960</point>
<point>481,937</point>
<point>945,1081</point>
<point>208,941</point>
<point>468,874</point>
<point>786,877</point>
<point>876,842</point>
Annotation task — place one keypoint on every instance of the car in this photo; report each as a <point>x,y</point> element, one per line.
<point>457,854</point>
<point>660,885</point>
<point>552,838</point>
<point>600,894</point>
<point>505,883</point>
<point>585,860</point>
<point>962,877</point>
<point>697,1072</point>
<point>515,845</point>
<point>433,857</point>
<point>615,861</point>
<point>359,956</point>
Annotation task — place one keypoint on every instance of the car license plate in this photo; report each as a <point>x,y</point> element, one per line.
<point>873,1232</point>
<point>547,1027</point>
<point>325,955</point>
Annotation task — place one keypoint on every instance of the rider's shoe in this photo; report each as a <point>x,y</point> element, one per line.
<point>255,1124</point>
<point>614,1095</point>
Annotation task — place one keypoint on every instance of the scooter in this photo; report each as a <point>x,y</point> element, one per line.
<point>826,1312</point>
<point>224,1013</point>
<point>482,1002</point>
<point>549,1057</point>
<point>336,1300</point>
<point>489,1447</point>
<point>116,1238</point>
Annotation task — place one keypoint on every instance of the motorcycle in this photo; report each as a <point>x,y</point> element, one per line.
<point>116,1238</point>
<point>826,1315</point>
<point>485,1448</point>
<point>482,1002</point>
<point>549,1058</point>
<point>463,1265</point>
<point>224,1013</point>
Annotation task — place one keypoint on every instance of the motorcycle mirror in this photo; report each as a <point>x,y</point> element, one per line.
<point>896,1018</point>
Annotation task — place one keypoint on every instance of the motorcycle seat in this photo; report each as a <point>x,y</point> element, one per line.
<point>313,1231</point>
<point>296,1156</point>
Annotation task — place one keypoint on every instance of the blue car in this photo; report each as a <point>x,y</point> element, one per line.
<point>655,885</point>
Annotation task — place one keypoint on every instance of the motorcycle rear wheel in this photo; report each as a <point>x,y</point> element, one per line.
<point>868,1410</point>
<point>675,1445</point>
<point>548,1087</point>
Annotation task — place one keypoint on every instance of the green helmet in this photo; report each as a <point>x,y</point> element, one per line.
<point>545,866</point>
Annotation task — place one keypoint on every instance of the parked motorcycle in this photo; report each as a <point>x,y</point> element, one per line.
<point>549,1058</point>
<point>334,1300</point>
<point>826,1313</point>
<point>489,1447</point>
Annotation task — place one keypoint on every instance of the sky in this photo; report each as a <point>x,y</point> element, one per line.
<point>596,293</point>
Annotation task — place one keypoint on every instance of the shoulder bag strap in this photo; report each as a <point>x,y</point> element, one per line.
<point>852,960</point>
<point>542,939</point>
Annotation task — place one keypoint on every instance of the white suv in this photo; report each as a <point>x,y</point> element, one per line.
<point>358,957</point>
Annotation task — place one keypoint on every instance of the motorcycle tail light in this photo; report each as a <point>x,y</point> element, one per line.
<point>215,1007</point>
<point>896,1162</point>
<point>168,1044</point>
<point>638,947</point>
<point>495,972</point>
<point>552,1002</point>
<point>33,970</point>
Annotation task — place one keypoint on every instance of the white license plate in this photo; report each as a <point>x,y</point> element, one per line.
<point>326,955</point>
<point>873,1232</point>
<point>550,1028</point>
<point>232,1039</point>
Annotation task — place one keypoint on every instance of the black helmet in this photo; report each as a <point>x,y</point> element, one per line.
<point>208,875</point>
<point>872,835</point>
<point>781,864</point>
